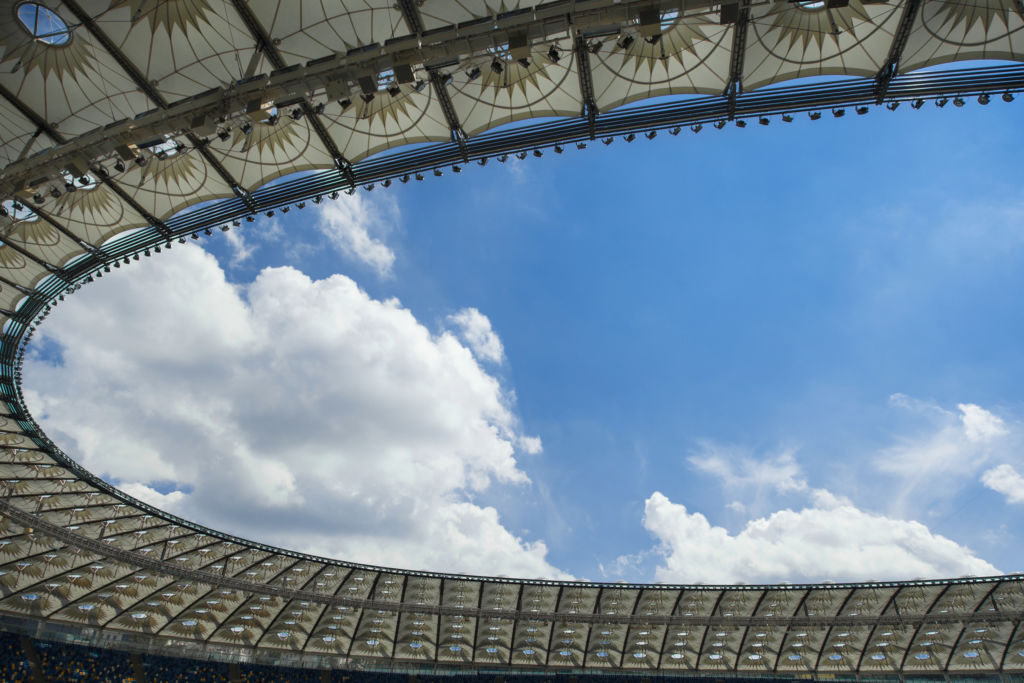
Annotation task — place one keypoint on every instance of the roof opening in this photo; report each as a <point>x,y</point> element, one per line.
<point>43,24</point>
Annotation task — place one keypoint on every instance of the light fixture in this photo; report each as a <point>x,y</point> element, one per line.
<point>296,113</point>
<point>119,166</point>
<point>503,158</point>
<point>764,120</point>
<point>863,110</point>
<point>345,103</point>
<point>319,108</point>
<point>405,178</point>
<point>482,161</point>
<point>697,127</point>
<point>608,141</point>
<point>69,187</point>
<point>270,214</point>
<point>651,134</point>
<point>814,115</point>
<point>787,118</point>
<point>720,124</point>
<point>958,101</point>
<point>54,192</point>
<point>675,131</point>
<point>394,90</point>
<point>893,106</point>
<point>558,149</point>
<point>740,123</point>
<point>272,120</point>
<point>497,66</point>
<point>553,55</point>
<point>941,102</point>
<point>537,153</point>
<point>419,85</point>
<point>300,205</point>
<point>524,62</point>
<point>317,199</point>
<point>594,47</point>
<point>1007,96</point>
<point>626,42</point>
<point>520,155</point>
<point>917,104</point>
<point>473,73</point>
<point>37,198</point>
<point>368,187</point>
<point>448,78</point>
<point>386,183</point>
<point>419,176</point>
<point>456,169</point>
<point>581,145</point>
<point>437,173</point>
<point>247,128</point>
<point>983,98</point>
<point>285,208</point>
<point>839,113</point>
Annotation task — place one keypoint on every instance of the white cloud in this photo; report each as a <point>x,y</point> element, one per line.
<point>475,328</point>
<point>299,412</point>
<point>171,502</point>
<point>830,541</point>
<point>979,424</point>
<point>1007,481</point>
<point>952,444</point>
<point>353,225</point>
<point>241,251</point>
<point>781,473</point>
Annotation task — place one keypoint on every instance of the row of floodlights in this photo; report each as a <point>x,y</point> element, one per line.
<point>297,113</point>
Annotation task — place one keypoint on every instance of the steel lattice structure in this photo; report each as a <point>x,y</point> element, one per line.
<point>117,115</point>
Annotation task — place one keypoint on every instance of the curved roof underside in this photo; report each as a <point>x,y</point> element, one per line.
<point>160,105</point>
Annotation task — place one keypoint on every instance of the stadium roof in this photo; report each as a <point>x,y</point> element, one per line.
<point>117,116</point>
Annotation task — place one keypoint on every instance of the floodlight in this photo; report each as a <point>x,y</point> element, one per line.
<point>814,115</point>
<point>629,137</point>
<point>917,104</point>
<point>581,145</point>
<point>497,66</point>
<point>893,106</point>
<point>675,131</point>
<point>473,73</point>
<point>941,102</point>
<point>983,98</point>
<point>651,134</point>
<point>697,127</point>
<point>553,55</point>
<point>741,123</point>
<point>626,42</point>
<point>537,153</point>
<point>456,168</point>
<point>720,124</point>
<point>958,101</point>
<point>524,62</point>
<point>394,90</point>
<point>839,113</point>
<point>437,173</point>
<point>864,110</point>
<point>1007,96</point>
<point>296,113</point>
<point>764,120</point>
<point>788,118</point>
<point>520,155</point>
<point>558,149</point>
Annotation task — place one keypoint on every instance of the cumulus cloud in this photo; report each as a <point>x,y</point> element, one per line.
<point>831,540</point>
<point>299,412</point>
<point>979,424</point>
<point>1006,480</point>
<point>353,225</point>
<point>475,328</point>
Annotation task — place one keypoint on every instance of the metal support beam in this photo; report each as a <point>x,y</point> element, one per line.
<point>899,42</point>
<point>739,46</point>
<point>441,92</point>
<point>266,46</point>
<point>580,50</point>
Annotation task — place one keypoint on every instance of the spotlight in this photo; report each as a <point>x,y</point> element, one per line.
<point>496,66</point>
<point>334,195</point>
<point>54,192</point>
<point>893,106</point>
<point>147,253</point>
<point>553,55</point>
<point>3,212</point>
<point>296,113</point>
<point>394,90</point>
<point>317,199</point>
<point>368,187</point>
<point>404,178</point>
<point>524,62</point>
<point>1007,96</point>
<point>788,118</point>
<point>839,113</point>
<point>608,141</point>
<point>69,187</point>
<point>697,127</point>
<point>270,214</point>
<point>503,158</point>
<point>345,103</point>
<point>675,131</point>
<point>594,47</point>
<point>285,209</point>
<point>38,198</point>
<point>814,115</point>
<point>246,128</point>
<point>350,191</point>
<point>720,124</point>
<point>319,108</point>
<point>741,123</point>
<point>456,169</point>
<point>653,40</point>
<point>300,205</point>
<point>983,98</point>
<point>537,153</point>
<point>482,161</point>
<point>141,160</point>
<point>272,120</point>
<point>958,101</point>
<point>764,120</point>
<point>473,73</point>
<point>581,145</point>
<point>102,172</point>
<point>250,218</point>
<point>195,236</point>
<point>386,183</point>
<point>941,102</point>
<point>420,85</point>
<point>17,206</point>
<point>864,110</point>
<point>651,134</point>
<point>626,42</point>
<point>448,78</point>
<point>207,232</point>
<point>917,104</point>
<point>119,166</point>
<point>419,176</point>
<point>437,173</point>
<point>520,155</point>
<point>558,149</point>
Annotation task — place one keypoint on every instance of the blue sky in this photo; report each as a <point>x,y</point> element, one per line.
<point>774,353</point>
